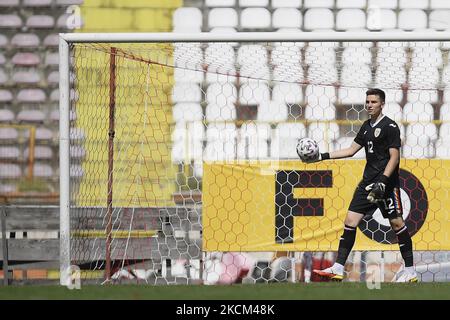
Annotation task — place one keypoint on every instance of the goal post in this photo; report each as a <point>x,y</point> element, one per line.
<point>141,122</point>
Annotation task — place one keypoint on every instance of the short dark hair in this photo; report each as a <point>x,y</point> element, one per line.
<point>377,92</point>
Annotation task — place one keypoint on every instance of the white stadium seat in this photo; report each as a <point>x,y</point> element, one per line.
<point>428,130</point>
<point>255,18</point>
<point>272,111</point>
<point>318,18</point>
<point>285,138</point>
<point>186,112</point>
<point>390,76</point>
<point>424,96</point>
<point>356,56</point>
<point>221,94</point>
<point>222,17</point>
<point>423,76</point>
<point>186,92</point>
<point>320,112</point>
<point>317,95</point>
<point>324,134</point>
<point>342,4</point>
<point>439,19</point>
<point>439,4</point>
<point>220,3</point>
<point>347,19</point>
<point>318,4</point>
<point>444,131</point>
<point>215,112</point>
<point>219,150</point>
<point>252,54</point>
<point>219,56</point>
<point>188,75</point>
<point>418,111</point>
<point>379,19</point>
<point>323,75</point>
<point>286,53</point>
<point>418,148</point>
<point>413,4</point>
<point>391,56</point>
<point>188,56</point>
<point>393,111</point>
<point>410,19</point>
<point>254,93</point>
<point>253,3</point>
<point>289,73</point>
<point>221,131</point>
<point>252,142</point>
<point>430,56</point>
<point>185,17</point>
<point>254,73</point>
<point>290,93</point>
<point>286,3</point>
<point>385,4</point>
<point>315,55</point>
<point>443,149</point>
<point>286,18</point>
<point>352,95</point>
<point>356,75</point>
<point>444,113</point>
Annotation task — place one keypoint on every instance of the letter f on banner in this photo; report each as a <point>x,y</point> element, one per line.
<point>287,207</point>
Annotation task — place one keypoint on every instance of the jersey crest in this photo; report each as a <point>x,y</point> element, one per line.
<point>377,132</point>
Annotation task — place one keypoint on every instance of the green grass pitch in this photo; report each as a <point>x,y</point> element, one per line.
<point>279,291</point>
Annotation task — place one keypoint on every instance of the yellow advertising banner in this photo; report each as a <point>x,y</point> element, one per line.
<point>292,206</point>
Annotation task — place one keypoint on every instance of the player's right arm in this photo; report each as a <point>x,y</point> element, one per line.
<point>347,152</point>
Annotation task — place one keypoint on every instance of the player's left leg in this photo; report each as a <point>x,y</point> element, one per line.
<point>393,211</point>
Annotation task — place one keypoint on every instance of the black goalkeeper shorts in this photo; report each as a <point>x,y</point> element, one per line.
<point>390,206</point>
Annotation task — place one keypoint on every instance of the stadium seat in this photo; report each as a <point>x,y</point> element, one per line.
<point>391,56</point>
<point>438,19</point>
<point>418,148</point>
<point>189,56</point>
<point>385,4</point>
<point>37,3</point>
<point>428,130</point>
<point>317,55</point>
<point>221,94</point>
<point>285,138</point>
<point>215,112</point>
<point>8,133</point>
<point>318,4</point>
<point>439,4</point>
<point>356,56</point>
<point>25,40</point>
<point>424,96</point>
<point>222,17</point>
<point>187,18</point>
<point>351,95</point>
<point>40,153</point>
<point>444,113</point>
<point>255,18</point>
<point>188,141</point>
<point>9,153</point>
<point>8,188</point>
<point>345,142</point>
<point>288,73</point>
<point>323,111</point>
<point>286,18</point>
<point>218,150</point>
<point>320,95</point>
<point>379,19</point>
<point>54,115</point>
<point>290,93</point>
<point>77,135</point>
<point>427,56</point>
<point>5,95</point>
<point>390,76</point>
<point>272,111</point>
<point>221,75</point>
<point>186,112</point>
<point>286,53</point>
<point>324,134</point>
<point>254,93</point>
<point>40,22</point>
<point>220,3</point>
<point>343,4</point>
<point>347,19</point>
<point>6,115</point>
<point>413,4</point>
<point>77,152</point>
<point>51,40</point>
<point>318,18</point>
<point>322,75</point>
<point>31,116</point>
<point>76,171</point>
<point>182,75</point>
<point>3,77</point>
<point>254,73</point>
<point>423,77</point>
<point>53,78</point>
<point>10,171</point>
<point>443,149</point>
<point>252,141</point>
<point>356,75</point>
<point>42,134</point>
<point>26,77</point>
<point>221,132</point>
<point>9,3</point>
<point>219,55</point>
<point>10,21</point>
<point>444,131</point>
<point>25,59</point>
<point>51,59</point>
<point>393,111</point>
<point>410,19</point>
<point>253,3</point>
<point>31,95</point>
<point>286,3</point>
<point>418,111</point>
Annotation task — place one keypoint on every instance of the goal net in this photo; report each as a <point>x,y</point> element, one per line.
<point>179,164</point>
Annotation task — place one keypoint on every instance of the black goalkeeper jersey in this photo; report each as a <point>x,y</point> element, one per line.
<point>376,141</point>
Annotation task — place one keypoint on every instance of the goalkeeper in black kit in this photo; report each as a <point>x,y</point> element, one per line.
<point>379,188</point>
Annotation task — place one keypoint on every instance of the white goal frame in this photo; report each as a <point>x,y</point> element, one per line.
<point>65,39</point>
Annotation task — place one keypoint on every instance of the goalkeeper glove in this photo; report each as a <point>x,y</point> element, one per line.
<point>377,189</point>
<point>320,157</point>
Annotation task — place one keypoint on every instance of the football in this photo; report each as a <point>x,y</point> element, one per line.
<point>307,149</point>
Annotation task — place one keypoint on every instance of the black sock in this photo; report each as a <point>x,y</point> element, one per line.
<point>405,243</point>
<point>346,244</point>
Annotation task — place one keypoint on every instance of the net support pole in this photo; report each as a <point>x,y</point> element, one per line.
<point>111,133</point>
<point>64,165</point>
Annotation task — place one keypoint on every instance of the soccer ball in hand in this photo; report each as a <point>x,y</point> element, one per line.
<point>307,149</point>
